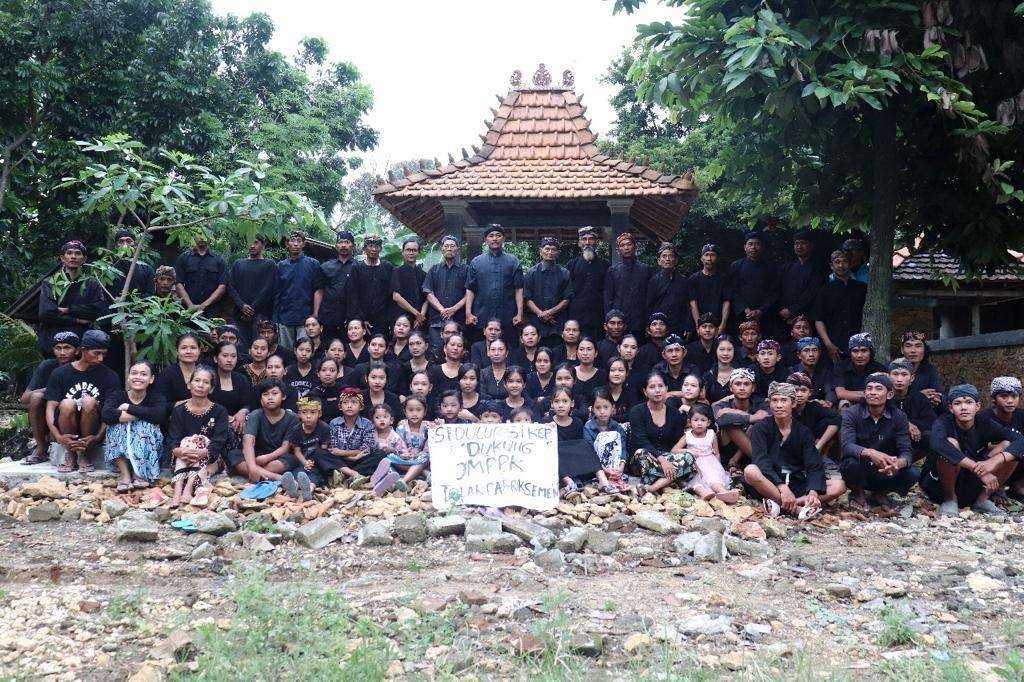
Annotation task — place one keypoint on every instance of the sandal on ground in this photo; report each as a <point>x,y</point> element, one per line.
<point>729,496</point>
<point>123,487</point>
<point>641,490</point>
<point>806,513</point>
<point>86,467</point>
<point>37,456</point>
<point>201,498</point>
<point>68,467</point>
<point>569,488</point>
<point>609,489</point>
<point>139,484</point>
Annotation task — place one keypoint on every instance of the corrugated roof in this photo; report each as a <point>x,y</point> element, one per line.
<point>935,266</point>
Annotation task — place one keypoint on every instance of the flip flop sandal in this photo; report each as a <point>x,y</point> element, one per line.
<point>772,508</point>
<point>66,468</point>
<point>124,487</point>
<point>86,468</point>
<point>139,484</point>
<point>185,525</point>
<point>807,513</point>
<point>36,457</point>
<point>201,498</point>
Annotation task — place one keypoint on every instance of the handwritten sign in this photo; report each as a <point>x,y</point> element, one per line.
<point>494,465</point>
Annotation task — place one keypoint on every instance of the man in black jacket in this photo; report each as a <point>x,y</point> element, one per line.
<point>786,469</point>
<point>754,283</point>
<point>875,438</point>
<point>667,292</point>
<point>914,404</point>
<point>68,300</point>
<point>839,307</point>
<point>587,274</point>
<point>335,302</point>
<point>372,279</point>
<point>625,286</point>
<point>970,459</point>
<point>708,290</point>
<point>251,286</point>
<point>799,280</point>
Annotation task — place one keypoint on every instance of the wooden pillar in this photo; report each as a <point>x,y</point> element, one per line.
<point>975,319</point>
<point>618,210</point>
<point>460,221</point>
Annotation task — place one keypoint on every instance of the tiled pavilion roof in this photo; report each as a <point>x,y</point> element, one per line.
<point>538,149</point>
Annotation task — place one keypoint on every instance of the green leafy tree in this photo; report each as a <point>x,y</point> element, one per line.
<point>172,75</point>
<point>863,112</point>
<point>184,199</point>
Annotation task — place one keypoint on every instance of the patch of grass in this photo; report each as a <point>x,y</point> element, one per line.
<point>290,631</point>
<point>555,660</point>
<point>610,605</point>
<point>1012,630</point>
<point>926,669</point>
<point>667,662</point>
<point>801,539</point>
<point>799,667</point>
<point>1012,669</point>
<point>125,607</point>
<point>415,566</point>
<point>895,629</point>
<point>259,525</point>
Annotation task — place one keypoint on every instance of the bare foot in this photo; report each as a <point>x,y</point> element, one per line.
<point>729,496</point>
<point>703,493</point>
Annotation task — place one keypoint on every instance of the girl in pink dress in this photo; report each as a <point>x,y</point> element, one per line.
<point>711,480</point>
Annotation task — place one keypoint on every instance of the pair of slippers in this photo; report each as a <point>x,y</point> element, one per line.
<point>385,479</point>
<point>297,485</point>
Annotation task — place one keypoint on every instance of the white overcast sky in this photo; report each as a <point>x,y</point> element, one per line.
<point>435,65</point>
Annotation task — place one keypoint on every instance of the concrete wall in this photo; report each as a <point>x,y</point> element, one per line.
<point>977,359</point>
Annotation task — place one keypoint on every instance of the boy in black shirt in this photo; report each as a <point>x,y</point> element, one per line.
<point>969,459</point>
<point>914,404</point>
<point>65,346</point>
<point>310,440</point>
<point>1005,411</point>
<point>74,401</point>
<point>266,452</point>
<point>699,352</point>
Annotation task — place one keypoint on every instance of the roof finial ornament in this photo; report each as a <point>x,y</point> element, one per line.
<point>542,78</point>
<point>517,78</point>
<point>568,79</point>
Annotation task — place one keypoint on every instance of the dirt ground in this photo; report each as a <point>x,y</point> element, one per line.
<point>847,596</point>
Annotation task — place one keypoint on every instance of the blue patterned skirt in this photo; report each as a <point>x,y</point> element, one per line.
<point>141,443</point>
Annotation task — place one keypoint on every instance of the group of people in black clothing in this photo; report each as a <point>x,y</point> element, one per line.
<point>337,371</point>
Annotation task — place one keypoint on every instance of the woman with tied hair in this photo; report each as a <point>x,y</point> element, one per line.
<point>655,432</point>
<point>926,376</point>
<point>134,443</point>
<point>716,380</point>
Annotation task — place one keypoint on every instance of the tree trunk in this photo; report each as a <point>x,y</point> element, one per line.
<point>885,175</point>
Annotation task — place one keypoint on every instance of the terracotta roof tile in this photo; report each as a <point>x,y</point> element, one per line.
<point>927,267</point>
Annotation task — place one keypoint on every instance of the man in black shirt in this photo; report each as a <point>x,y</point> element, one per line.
<point>650,353</point>
<point>407,285</point>
<point>823,422</point>
<point>625,286</point>
<point>850,375</point>
<point>914,404</point>
<point>65,347</point>
<point>445,290</point>
<point>786,469</point>
<point>810,362</point>
<point>251,286</point>
<point>74,401</point>
<point>969,459</point>
<point>699,352</point>
<point>1005,411</point>
<point>708,289</point>
<point>799,280</point>
<point>202,277</point>
<point>547,290</point>
<point>839,307</point>
<point>335,302</point>
<point>754,284</point>
<point>875,439</point>
<point>372,280</point>
<point>667,292</point>
<point>142,275</point>
<point>587,275</point>
<point>615,329</point>
<point>80,301</point>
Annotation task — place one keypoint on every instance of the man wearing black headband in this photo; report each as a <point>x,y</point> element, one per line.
<point>65,348</point>
<point>587,273</point>
<point>74,400</point>
<point>334,301</point>
<point>202,277</point>
<point>799,279</point>
<point>709,291</point>
<point>445,289</point>
<point>251,286</point>
<point>142,275</point>
<point>876,447</point>
<point>625,285</point>
<point>754,282</point>
<point>547,293</point>
<point>667,292</point>
<point>494,286</point>
<point>372,280</point>
<point>969,459</point>
<point>81,298</point>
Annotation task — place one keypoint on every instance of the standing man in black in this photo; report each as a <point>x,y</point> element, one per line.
<point>407,285</point>
<point>709,291</point>
<point>251,287</point>
<point>754,281</point>
<point>587,274</point>
<point>68,300</point>
<point>799,280</point>
<point>547,292</point>
<point>625,287</point>
<point>373,287</point>
<point>334,303</point>
<point>667,292</point>
<point>445,289</point>
<point>141,283</point>
<point>839,307</point>
<point>202,277</point>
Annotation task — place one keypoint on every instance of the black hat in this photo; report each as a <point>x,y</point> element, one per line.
<point>68,337</point>
<point>657,316</point>
<point>344,235</point>
<point>550,241</point>
<point>708,318</point>
<point>124,232</point>
<point>94,339</point>
<point>802,236</point>
<point>494,227</point>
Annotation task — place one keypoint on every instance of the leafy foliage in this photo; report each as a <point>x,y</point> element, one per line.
<point>18,348</point>
<point>155,323</point>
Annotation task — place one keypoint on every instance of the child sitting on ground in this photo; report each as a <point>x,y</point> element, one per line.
<point>391,444</point>
<point>608,439</point>
<point>310,440</point>
<point>521,415</point>
<point>413,431</point>
<point>712,480</point>
<point>577,462</point>
<point>449,408</point>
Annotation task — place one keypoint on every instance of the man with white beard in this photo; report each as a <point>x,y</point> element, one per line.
<point>587,273</point>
